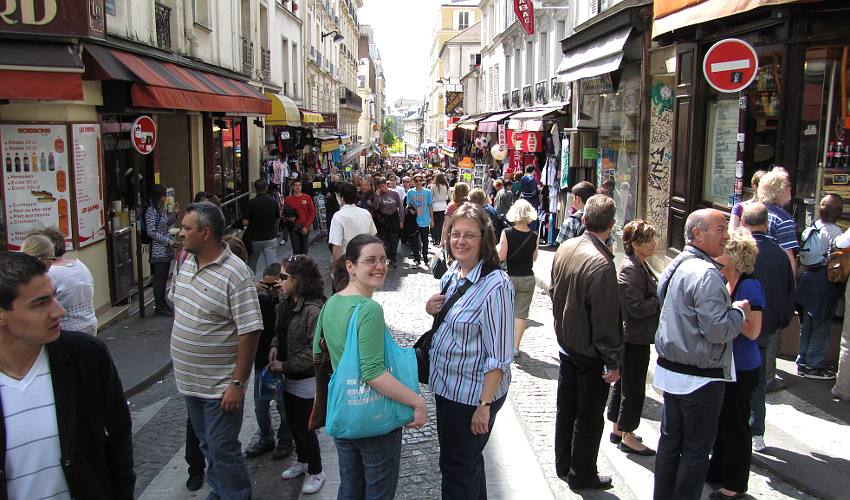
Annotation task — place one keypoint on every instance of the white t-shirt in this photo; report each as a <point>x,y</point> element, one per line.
<point>401,192</point>
<point>303,388</point>
<point>33,467</point>
<point>75,291</point>
<point>439,197</point>
<point>681,383</point>
<point>349,222</point>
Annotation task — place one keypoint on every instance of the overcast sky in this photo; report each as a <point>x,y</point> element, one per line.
<point>403,30</point>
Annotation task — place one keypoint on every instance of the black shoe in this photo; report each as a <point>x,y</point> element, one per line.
<point>282,450</point>
<point>258,448</point>
<point>719,495</point>
<point>597,483</point>
<point>645,452</point>
<point>616,438</point>
<point>195,482</point>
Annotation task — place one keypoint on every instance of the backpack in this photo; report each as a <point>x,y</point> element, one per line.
<point>814,250</point>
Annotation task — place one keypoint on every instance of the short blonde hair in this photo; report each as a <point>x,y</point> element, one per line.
<point>39,246</point>
<point>460,193</point>
<point>478,196</point>
<point>772,186</point>
<point>741,250</point>
<point>522,212</point>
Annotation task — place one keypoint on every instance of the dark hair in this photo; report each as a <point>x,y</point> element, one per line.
<point>636,232</point>
<point>272,269</point>
<point>296,181</point>
<point>529,169</point>
<point>830,208</point>
<point>156,193</point>
<point>209,215</point>
<point>55,236</point>
<point>599,213</point>
<point>352,254</point>
<point>18,269</point>
<point>311,285</point>
<point>348,193</point>
<point>469,210</point>
<point>260,186</point>
<point>201,196</point>
<point>584,190</point>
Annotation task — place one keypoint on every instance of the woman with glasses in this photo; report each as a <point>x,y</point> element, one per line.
<point>292,353</point>
<point>368,467</point>
<point>640,309</point>
<point>471,351</point>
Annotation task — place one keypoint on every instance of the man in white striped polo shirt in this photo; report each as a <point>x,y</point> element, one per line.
<point>217,323</point>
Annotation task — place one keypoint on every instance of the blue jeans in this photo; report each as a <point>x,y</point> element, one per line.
<point>814,335</point>
<point>688,428</point>
<point>262,411</point>
<point>218,432</point>
<point>369,467</point>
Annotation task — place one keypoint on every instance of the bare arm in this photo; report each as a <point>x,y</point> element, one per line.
<point>245,353</point>
<point>793,259</point>
<point>390,387</point>
<point>480,423</point>
<point>502,248</point>
<point>752,325</point>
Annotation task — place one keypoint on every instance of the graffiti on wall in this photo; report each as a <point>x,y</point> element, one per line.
<point>660,155</point>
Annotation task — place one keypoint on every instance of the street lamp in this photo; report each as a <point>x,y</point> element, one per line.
<point>337,36</point>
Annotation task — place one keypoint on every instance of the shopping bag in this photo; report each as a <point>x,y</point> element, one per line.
<point>271,385</point>
<point>356,410</point>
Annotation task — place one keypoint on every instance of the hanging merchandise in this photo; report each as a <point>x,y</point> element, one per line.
<point>482,142</point>
<point>555,134</point>
<point>565,162</point>
<point>498,152</point>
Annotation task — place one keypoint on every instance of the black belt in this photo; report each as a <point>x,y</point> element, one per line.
<point>690,369</point>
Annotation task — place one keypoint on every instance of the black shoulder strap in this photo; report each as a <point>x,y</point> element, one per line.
<point>438,319</point>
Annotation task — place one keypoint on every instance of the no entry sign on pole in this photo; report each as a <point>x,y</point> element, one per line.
<point>143,135</point>
<point>730,65</point>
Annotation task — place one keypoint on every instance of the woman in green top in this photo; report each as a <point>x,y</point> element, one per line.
<point>368,467</point>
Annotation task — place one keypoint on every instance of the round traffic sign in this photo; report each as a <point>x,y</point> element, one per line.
<point>730,65</point>
<point>143,134</point>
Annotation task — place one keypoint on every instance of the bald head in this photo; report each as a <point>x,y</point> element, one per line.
<point>754,217</point>
<point>706,229</point>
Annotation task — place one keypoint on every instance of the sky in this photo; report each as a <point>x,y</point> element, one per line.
<point>403,30</point>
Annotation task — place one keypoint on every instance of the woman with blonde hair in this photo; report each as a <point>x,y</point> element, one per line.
<point>518,248</point>
<point>730,458</point>
<point>460,195</point>
<point>40,247</point>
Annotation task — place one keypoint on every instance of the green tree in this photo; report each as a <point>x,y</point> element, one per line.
<point>388,126</point>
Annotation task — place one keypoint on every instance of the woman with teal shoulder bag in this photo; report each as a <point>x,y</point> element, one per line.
<point>366,421</point>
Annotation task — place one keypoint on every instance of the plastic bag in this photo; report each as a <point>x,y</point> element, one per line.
<point>355,410</point>
<point>271,385</point>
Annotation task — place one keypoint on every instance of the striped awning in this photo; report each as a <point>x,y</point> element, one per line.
<point>311,117</point>
<point>164,85</point>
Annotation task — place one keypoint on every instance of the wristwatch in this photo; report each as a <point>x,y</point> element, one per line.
<point>481,402</point>
<point>237,383</point>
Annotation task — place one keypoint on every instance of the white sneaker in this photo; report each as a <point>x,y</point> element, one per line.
<point>296,469</point>
<point>313,483</point>
<point>758,443</point>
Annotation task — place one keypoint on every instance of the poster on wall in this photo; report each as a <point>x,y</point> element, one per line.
<point>721,154</point>
<point>88,190</point>
<point>36,186</point>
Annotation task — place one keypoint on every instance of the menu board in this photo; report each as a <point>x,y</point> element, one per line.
<point>88,190</point>
<point>36,187</point>
<point>721,150</point>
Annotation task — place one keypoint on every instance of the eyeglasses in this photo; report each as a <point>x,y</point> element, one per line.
<point>372,261</point>
<point>464,236</point>
<point>283,276</point>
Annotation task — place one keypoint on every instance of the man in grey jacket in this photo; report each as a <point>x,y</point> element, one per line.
<point>694,345</point>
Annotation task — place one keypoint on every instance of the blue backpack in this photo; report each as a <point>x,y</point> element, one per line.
<point>815,250</point>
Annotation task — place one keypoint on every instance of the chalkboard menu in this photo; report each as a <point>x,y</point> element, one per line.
<point>720,151</point>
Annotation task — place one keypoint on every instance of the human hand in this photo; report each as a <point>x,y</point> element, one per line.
<point>432,224</point>
<point>481,420</point>
<point>232,399</point>
<point>434,304</point>
<point>744,305</point>
<point>305,230</point>
<point>611,376</point>
<point>272,355</point>
<point>276,366</point>
<point>420,415</point>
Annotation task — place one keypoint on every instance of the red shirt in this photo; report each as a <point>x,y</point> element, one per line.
<point>304,205</point>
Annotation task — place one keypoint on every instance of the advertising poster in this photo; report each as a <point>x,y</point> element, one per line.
<point>36,186</point>
<point>88,191</point>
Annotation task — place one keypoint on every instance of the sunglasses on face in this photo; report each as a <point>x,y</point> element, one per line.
<point>283,276</point>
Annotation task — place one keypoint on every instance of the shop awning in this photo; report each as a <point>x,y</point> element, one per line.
<point>164,85</point>
<point>601,55</point>
<point>328,143</point>
<point>671,15</point>
<point>346,139</point>
<point>40,71</point>
<point>448,151</point>
<point>311,117</point>
<point>491,123</point>
<point>284,111</point>
<point>531,120</point>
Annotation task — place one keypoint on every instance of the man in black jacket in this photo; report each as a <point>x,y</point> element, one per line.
<point>67,429</point>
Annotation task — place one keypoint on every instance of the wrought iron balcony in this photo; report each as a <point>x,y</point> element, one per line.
<point>557,89</point>
<point>247,56</point>
<point>506,100</point>
<point>267,63</point>
<point>162,14</point>
<point>526,95</point>
<point>515,98</point>
<point>540,92</point>
<point>350,99</point>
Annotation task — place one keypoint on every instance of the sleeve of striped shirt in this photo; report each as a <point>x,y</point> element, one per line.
<point>786,235</point>
<point>245,307</point>
<point>497,326</point>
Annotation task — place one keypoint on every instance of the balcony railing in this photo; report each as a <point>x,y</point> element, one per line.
<point>557,88</point>
<point>267,63</point>
<point>162,14</point>
<point>540,94</point>
<point>515,98</point>
<point>351,100</point>
<point>506,100</point>
<point>526,95</point>
<point>247,56</point>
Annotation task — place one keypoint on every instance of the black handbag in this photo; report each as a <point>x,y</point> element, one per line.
<point>423,345</point>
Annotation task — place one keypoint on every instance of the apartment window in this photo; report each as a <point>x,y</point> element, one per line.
<point>285,63</point>
<point>201,11</point>
<point>562,30</point>
<point>517,68</point>
<point>507,73</point>
<point>496,102</point>
<point>462,20</point>
<point>529,63</point>
<point>543,65</point>
<point>296,61</point>
<point>361,81</point>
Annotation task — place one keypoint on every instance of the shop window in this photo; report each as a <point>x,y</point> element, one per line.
<point>230,181</point>
<point>721,134</point>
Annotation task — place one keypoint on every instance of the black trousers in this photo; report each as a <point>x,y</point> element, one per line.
<point>300,242</point>
<point>419,243</point>
<point>306,443</point>
<point>437,232</point>
<point>578,421</point>
<point>193,455</point>
<point>159,271</point>
<point>626,402</point>
<point>461,451</point>
<point>388,231</point>
<point>730,458</point>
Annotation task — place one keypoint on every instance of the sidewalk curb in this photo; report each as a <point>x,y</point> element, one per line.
<point>148,381</point>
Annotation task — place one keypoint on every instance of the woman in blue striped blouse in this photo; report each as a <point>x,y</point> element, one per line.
<point>471,352</point>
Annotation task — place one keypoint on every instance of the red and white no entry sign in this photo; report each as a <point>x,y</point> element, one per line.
<point>730,65</point>
<point>143,135</point>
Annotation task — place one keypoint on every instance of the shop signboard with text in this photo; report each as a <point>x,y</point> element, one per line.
<point>64,18</point>
<point>90,219</point>
<point>144,135</point>
<point>36,184</point>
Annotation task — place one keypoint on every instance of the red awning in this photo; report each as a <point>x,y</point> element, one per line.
<point>43,71</point>
<point>42,85</point>
<point>165,85</point>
